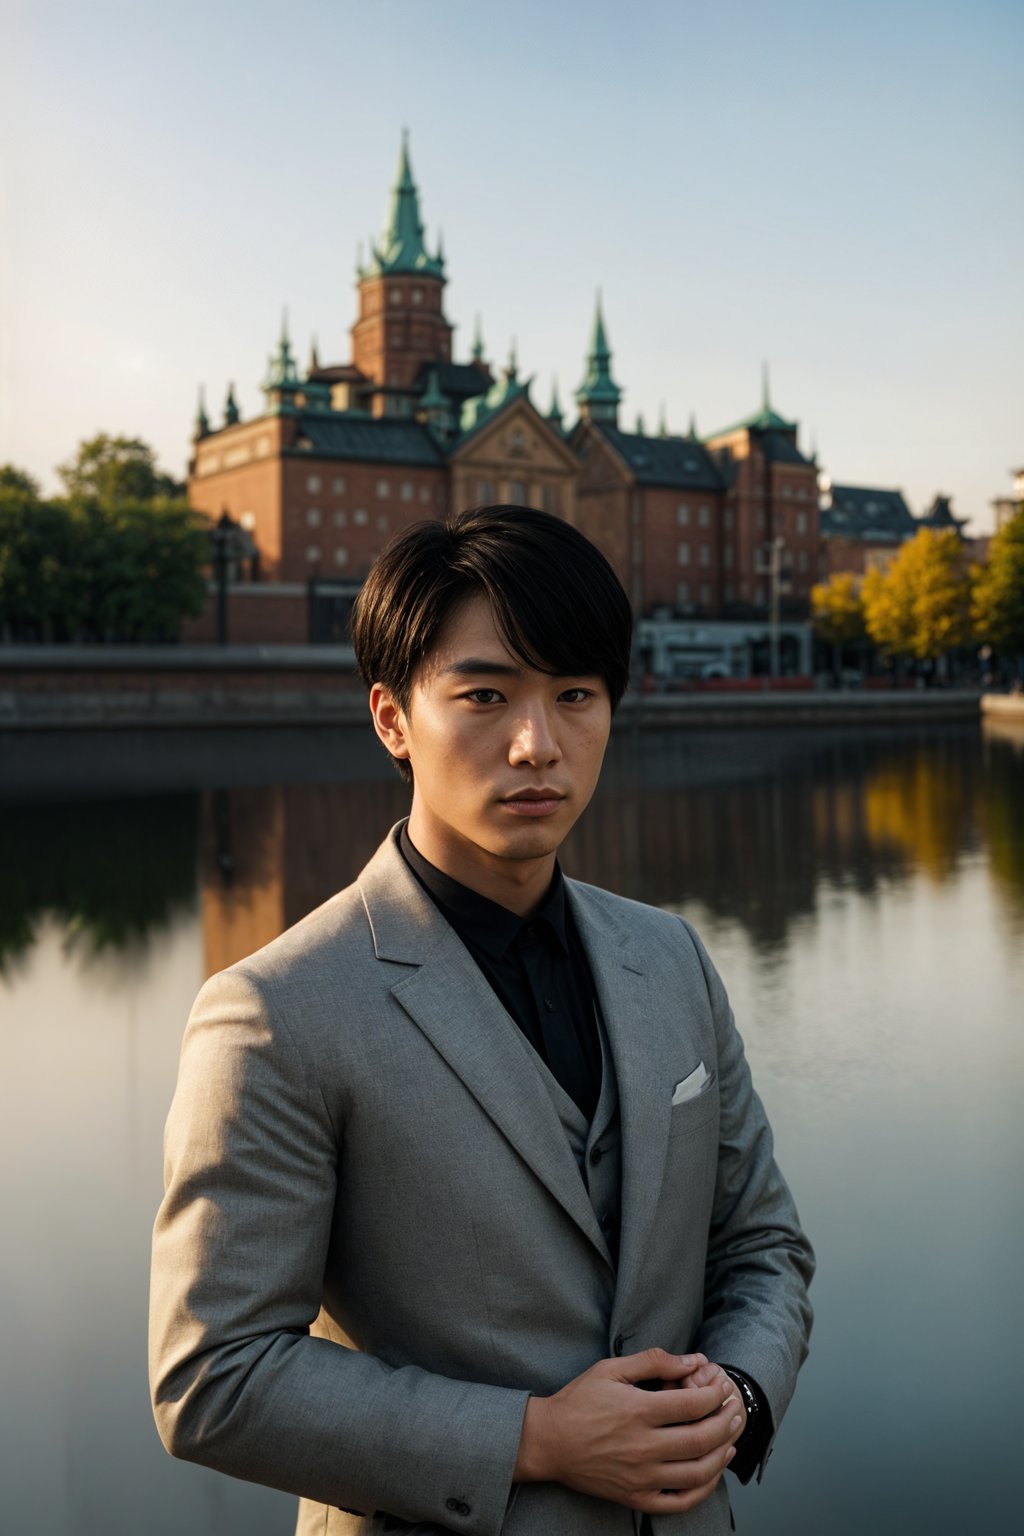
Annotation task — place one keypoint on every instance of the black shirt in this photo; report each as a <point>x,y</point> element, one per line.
<point>538,968</point>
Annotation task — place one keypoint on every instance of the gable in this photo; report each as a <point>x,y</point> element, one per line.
<point>515,439</point>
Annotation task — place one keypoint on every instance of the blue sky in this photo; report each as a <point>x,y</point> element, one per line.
<point>835,189</point>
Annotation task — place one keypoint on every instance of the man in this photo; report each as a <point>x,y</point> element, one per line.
<point>472,1221</point>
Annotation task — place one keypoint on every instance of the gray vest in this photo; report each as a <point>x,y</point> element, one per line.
<point>597,1148</point>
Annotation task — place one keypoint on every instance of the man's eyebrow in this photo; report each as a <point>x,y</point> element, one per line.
<point>481,666</point>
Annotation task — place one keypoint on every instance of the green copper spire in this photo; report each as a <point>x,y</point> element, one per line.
<point>767,419</point>
<point>282,380</point>
<point>202,425</point>
<point>232,415</point>
<point>692,429</point>
<point>598,396</point>
<point>639,428</point>
<point>555,411</point>
<point>478,342</point>
<point>402,248</point>
<point>766,401</point>
<point>662,421</point>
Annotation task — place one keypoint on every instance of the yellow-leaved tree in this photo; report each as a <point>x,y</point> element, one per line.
<point>837,613</point>
<point>920,606</point>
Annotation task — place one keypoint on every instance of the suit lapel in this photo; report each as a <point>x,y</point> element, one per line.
<point>635,1023</point>
<point>449,999</point>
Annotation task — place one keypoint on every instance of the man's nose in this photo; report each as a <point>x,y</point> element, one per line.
<point>535,738</point>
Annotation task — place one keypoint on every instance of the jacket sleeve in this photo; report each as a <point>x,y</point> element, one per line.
<point>239,1249</point>
<point>757,1316</point>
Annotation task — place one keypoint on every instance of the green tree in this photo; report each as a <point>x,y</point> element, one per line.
<point>837,613</point>
<point>116,469</point>
<point>998,599</point>
<point>14,479</point>
<point>40,553</point>
<point>921,605</point>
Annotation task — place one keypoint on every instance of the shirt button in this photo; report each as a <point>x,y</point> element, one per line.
<point>549,1005</point>
<point>595,1156</point>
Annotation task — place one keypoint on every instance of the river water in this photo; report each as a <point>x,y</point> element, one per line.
<point>863,896</point>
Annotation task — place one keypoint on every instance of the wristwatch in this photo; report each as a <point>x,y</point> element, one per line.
<point>749,1396</point>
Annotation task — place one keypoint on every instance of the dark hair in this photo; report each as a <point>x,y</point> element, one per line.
<point>557,603</point>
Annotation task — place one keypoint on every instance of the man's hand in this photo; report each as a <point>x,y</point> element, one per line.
<point>661,1452</point>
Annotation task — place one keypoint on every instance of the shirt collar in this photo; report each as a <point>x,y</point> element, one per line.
<point>487,924</point>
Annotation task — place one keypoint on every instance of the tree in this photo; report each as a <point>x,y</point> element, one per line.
<point>998,599</point>
<point>14,479</point>
<point>837,613</point>
<point>921,605</point>
<point>110,470</point>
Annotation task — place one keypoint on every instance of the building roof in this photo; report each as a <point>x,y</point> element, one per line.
<point>402,248</point>
<point>373,439</point>
<point>459,381</point>
<point>780,449</point>
<point>337,373</point>
<point>863,512</point>
<point>766,419</point>
<point>479,410</point>
<point>940,515</point>
<point>666,461</point>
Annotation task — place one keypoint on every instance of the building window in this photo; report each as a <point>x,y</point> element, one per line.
<point>313,484</point>
<point>396,295</point>
<point>248,520</point>
<point>425,494</point>
<point>802,493</point>
<point>684,554</point>
<point>361,516</point>
<point>313,553</point>
<point>730,592</point>
<point>728,519</point>
<point>727,557</point>
<point>417,295</point>
<point>339,486</point>
<point>705,592</point>
<point>550,499</point>
<point>759,595</point>
<point>801,560</point>
<point>683,592</point>
<point>704,516</point>
<point>341,556</point>
<point>787,490</point>
<point>313,517</point>
<point>408,490</point>
<point>705,554</point>
<point>383,489</point>
<point>682,514</point>
<point>484,491</point>
<point>801,522</point>
<point>340,519</point>
<point>382,522</point>
<point>760,517</point>
<point>517,493</point>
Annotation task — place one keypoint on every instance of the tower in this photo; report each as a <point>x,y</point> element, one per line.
<point>401,328</point>
<point>598,396</point>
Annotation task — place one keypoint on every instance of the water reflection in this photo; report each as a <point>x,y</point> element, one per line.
<point>754,826</point>
<point>113,873</point>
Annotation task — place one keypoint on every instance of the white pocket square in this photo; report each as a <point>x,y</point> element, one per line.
<point>690,1085</point>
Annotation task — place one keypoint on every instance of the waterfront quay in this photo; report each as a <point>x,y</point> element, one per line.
<point>46,688</point>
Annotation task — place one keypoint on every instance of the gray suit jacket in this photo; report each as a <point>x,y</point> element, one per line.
<point>375,1241</point>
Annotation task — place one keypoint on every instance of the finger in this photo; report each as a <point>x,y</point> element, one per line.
<point>654,1365</point>
<point>688,1476</point>
<point>676,1501</point>
<point>709,1436</point>
<point>685,1405</point>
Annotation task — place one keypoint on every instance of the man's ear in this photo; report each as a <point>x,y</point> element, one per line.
<point>389,720</point>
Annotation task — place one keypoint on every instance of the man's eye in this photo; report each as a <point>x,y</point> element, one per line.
<point>577,695</point>
<point>484,695</point>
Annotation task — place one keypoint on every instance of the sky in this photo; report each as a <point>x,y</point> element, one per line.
<point>833,189</point>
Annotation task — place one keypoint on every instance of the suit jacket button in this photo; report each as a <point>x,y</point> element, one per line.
<point>464,1509</point>
<point>595,1156</point>
<point>617,1346</point>
<point>452,1504</point>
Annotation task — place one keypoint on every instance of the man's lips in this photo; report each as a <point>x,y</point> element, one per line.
<point>533,802</point>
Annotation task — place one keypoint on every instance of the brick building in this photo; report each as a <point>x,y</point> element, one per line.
<point>344,454</point>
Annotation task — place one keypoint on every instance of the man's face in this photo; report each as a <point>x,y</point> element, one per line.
<point>504,758</point>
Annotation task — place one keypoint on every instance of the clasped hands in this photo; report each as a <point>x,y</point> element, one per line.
<point>660,1451</point>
